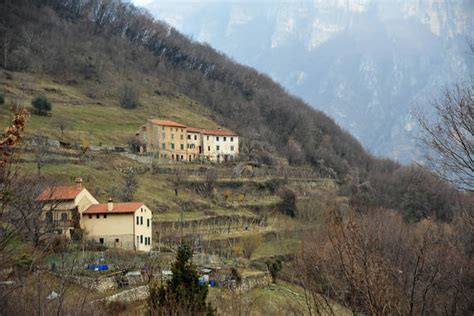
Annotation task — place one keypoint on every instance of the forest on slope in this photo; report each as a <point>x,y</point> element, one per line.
<point>108,45</point>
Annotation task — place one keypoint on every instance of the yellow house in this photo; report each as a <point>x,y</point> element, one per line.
<point>119,225</point>
<point>166,138</point>
<point>63,206</point>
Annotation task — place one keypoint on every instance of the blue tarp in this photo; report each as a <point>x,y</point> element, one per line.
<point>100,267</point>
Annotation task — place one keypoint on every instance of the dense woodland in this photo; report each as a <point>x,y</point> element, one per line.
<point>416,260</point>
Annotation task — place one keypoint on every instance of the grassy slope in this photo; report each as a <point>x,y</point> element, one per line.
<point>96,120</point>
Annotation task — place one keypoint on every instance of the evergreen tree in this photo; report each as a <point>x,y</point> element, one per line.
<point>182,295</point>
<point>42,104</point>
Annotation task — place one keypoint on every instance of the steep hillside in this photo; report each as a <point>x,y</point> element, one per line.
<point>367,64</point>
<point>95,119</point>
<point>105,48</point>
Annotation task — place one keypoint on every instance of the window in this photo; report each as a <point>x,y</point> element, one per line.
<point>49,217</point>
<point>176,129</point>
<point>138,240</point>
<point>141,209</point>
<point>207,137</point>
<point>182,147</point>
<point>64,216</point>
<point>189,136</point>
<point>217,138</point>
<point>217,147</point>
<point>181,130</point>
<point>195,137</point>
<point>232,139</point>
<point>163,146</point>
<point>97,216</point>
<point>138,220</point>
<point>208,148</point>
<point>172,146</point>
<point>105,215</point>
<point>101,241</point>
<point>225,138</point>
<point>141,220</point>
<point>181,136</point>
<point>182,157</point>
<point>172,136</point>
<point>141,239</point>
<point>117,240</point>
<point>148,222</point>
<point>231,148</point>
<point>90,216</point>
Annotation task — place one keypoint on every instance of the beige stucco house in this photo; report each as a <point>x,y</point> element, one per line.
<point>175,141</point>
<point>119,225</point>
<point>63,206</point>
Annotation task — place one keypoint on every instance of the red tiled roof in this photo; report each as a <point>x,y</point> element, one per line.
<point>59,193</point>
<point>219,132</point>
<point>194,130</point>
<point>167,123</point>
<point>130,207</point>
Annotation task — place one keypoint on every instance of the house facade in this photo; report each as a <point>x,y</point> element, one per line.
<point>166,138</point>
<point>117,225</point>
<point>175,141</point>
<point>63,206</point>
<point>220,145</point>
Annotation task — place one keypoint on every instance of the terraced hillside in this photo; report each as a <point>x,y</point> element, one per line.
<point>238,221</point>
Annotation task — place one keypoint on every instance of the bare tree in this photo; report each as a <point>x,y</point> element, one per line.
<point>62,122</point>
<point>40,150</point>
<point>130,185</point>
<point>27,213</point>
<point>449,139</point>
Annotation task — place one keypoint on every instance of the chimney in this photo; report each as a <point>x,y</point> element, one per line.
<point>78,182</point>
<point>110,205</point>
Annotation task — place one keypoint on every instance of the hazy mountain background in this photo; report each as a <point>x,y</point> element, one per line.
<point>366,63</point>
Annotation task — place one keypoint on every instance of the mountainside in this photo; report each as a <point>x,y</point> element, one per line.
<point>365,63</point>
<point>106,49</point>
<point>86,56</point>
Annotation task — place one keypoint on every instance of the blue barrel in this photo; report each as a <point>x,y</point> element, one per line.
<point>201,281</point>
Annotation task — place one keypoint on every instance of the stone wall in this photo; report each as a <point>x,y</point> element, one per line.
<point>256,280</point>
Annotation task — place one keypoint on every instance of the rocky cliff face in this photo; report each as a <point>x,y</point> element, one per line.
<point>367,63</point>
